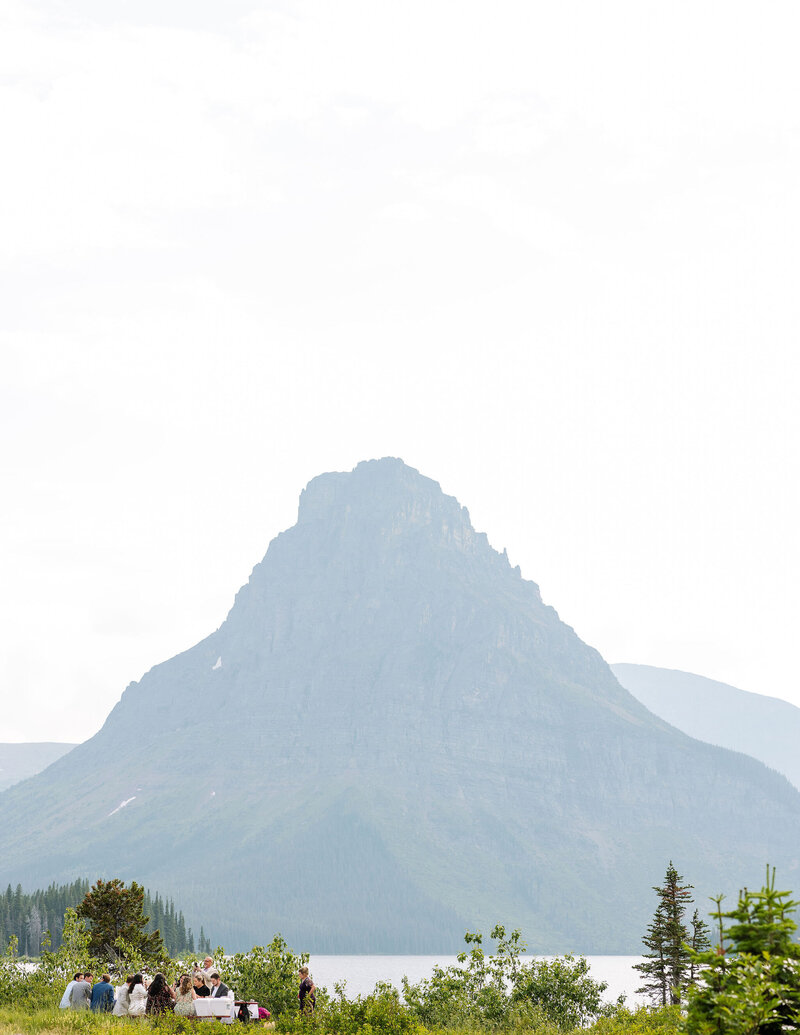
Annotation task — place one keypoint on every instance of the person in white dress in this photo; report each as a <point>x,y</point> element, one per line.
<point>123,999</point>
<point>137,1004</point>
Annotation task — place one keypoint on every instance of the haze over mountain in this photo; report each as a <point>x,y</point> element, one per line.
<point>390,739</point>
<point>19,761</point>
<point>764,727</point>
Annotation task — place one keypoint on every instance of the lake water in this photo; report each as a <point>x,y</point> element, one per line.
<point>362,972</point>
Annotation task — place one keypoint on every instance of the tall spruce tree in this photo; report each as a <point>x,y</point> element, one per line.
<point>666,969</point>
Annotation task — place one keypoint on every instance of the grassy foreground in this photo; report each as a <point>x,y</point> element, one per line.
<point>24,1021</point>
<point>52,1021</point>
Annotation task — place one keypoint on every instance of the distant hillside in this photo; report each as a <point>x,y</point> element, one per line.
<point>19,761</point>
<point>390,740</point>
<point>764,727</point>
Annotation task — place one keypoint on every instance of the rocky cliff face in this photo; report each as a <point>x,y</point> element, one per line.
<point>390,739</point>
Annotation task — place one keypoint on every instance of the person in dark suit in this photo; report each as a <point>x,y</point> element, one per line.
<point>218,988</point>
<point>103,995</point>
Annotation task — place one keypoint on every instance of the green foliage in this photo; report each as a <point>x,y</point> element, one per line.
<point>564,990</point>
<point>35,986</point>
<point>117,922</point>
<point>174,1024</point>
<point>476,990</point>
<point>644,1020</point>
<point>380,1011</point>
<point>502,991</point>
<point>74,952</point>
<point>750,983</point>
<point>268,975</point>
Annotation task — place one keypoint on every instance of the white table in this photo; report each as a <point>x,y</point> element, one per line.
<point>208,1007</point>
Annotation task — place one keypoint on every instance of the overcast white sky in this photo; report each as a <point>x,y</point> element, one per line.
<point>547,253</point>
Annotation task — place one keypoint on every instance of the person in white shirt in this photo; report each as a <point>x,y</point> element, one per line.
<point>64,1004</point>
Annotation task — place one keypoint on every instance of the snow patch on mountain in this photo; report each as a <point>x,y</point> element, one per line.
<point>121,805</point>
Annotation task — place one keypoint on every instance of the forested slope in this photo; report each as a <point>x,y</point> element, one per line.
<point>36,918</point>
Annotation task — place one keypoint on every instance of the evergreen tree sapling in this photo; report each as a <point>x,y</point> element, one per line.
<point>750,983</point>
<point>698,942</point>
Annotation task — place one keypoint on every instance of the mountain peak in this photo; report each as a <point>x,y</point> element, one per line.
<point>388,495</point>
<point>372,483</point>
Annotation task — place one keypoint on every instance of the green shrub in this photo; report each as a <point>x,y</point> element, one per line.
<point>564,991</point>
<point>750,983</point>
<point>268,975</point>
<point>380,1011</point>
<point>644,1020</point>
<point>501,991</point>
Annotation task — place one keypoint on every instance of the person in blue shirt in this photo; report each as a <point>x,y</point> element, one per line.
<point>103,995</point>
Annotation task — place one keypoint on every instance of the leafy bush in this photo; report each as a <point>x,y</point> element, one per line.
<point>563,989</point>
<point>501,991</point>
<point>475,991</point>
<point>380,1011</point>
<point>268,975</point>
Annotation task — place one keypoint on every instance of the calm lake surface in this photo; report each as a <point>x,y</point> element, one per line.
<point>362,972</point>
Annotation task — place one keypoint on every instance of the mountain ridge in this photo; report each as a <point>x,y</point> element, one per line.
<point>20,761</point>
<point>763,727</point>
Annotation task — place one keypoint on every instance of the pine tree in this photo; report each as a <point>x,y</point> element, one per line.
<point>33,932</point>
<point>654,972</point>
<point>180,936</point>
<point>116,912</point>
<point>666,970</point>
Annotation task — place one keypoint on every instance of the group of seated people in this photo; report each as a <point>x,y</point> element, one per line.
<point>137,997</point>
